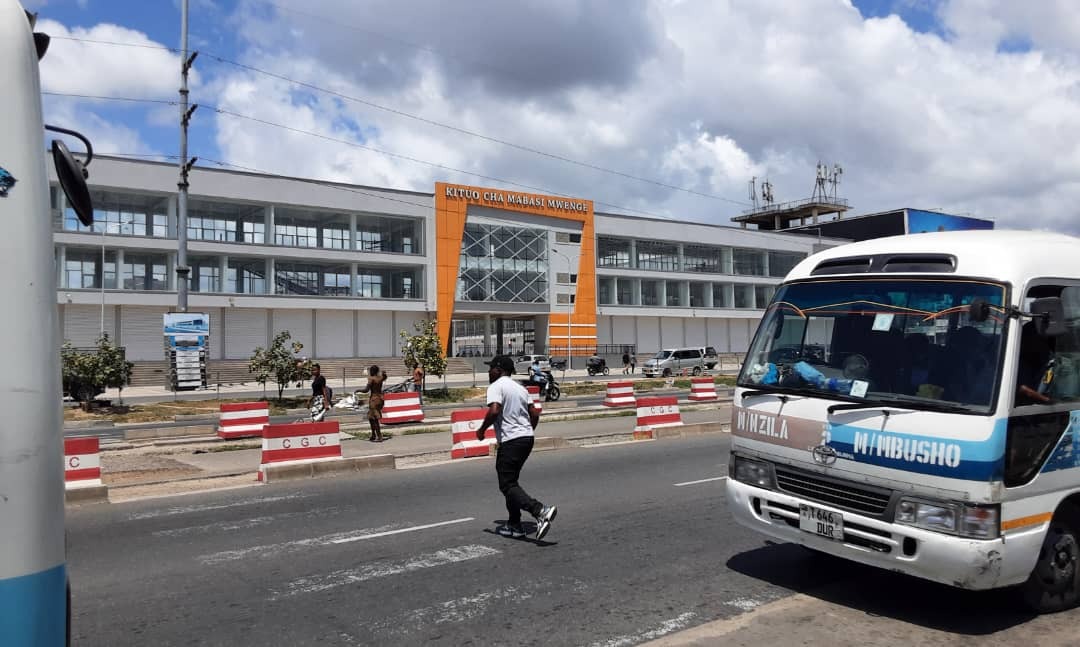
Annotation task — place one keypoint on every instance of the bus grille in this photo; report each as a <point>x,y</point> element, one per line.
<point>842,494</point>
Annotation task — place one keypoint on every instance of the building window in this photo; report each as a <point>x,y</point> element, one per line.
<point>780,263</point>
<point>703,258</point>
<point>568,238</point>
<point>744,296</point>
<point>296,278</point>
<point>387,235</point>
<point>124,214</point>
<point>722,295</point>
<point>675,295</point>
<point>246,277</point>
<point>562,278</point>
<point>335,238</point>
<point>254,232</point>
<point>564,298</point>
<point>697,295</point>
<point>655,255</point>
<point>503,264</point>
<point>650,293</point>
<point>624,292</point>
<point>369,286</point>
<point>606,291</point>
<point>763,294</point>
<point>144,272</point>
<point>337,282</point>
<point>81,267</point>
<point>294,235</point>
<point>226,222</point>
<point>749,262</point>
<point>205,274</point>
<point>612,252</point>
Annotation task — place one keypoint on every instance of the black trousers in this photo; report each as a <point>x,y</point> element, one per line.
<point>508,463</point>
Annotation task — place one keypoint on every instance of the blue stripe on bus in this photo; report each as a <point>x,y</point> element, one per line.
<point>33,609</point>
<point>935,456</point>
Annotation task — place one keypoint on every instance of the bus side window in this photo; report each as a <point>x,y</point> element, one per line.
<point>1049,369</point>
<point>1035,355</point>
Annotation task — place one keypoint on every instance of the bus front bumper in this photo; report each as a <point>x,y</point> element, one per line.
<point>956,561</point>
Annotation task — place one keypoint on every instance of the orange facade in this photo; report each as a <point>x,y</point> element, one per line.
<point>452,203</point>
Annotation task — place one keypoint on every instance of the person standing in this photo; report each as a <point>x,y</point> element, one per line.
<point>511,412</point>
<point>418,381</point>
<point>374,386</point>
<point>319,393</point>
<point>625,363</point>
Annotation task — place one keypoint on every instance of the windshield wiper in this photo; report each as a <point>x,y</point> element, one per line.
<point>756,392</point>
<point>901,403</point>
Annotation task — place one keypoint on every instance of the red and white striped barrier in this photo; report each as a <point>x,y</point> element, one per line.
<point>242,419</point>
<point>300,442</point>
<point>703,389</point>
<point>534,396</point>
<point>463,426</point>
<point>657,412</point>
<point>619,394</point>
<point>82,462</point>
<point>402,407</point>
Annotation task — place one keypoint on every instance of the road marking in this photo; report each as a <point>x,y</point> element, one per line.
<point>377,570</point>
<point>665,628</point>
<point>242,524</point>
<point>746,604</point>
<point>452,611</point>
<point>345,540</point>
<point>166,512</point>
<point>718,478</point>
<point>274,550</point>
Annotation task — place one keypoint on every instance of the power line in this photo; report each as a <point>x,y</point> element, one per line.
<point>104,98</point>
<point>432,122</point>
<point>346,142</point>
<point>113,42</point>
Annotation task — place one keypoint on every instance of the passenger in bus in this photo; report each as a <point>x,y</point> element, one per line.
<point>917,351</point>
<point>967,371</point>
<point>1036,353</point>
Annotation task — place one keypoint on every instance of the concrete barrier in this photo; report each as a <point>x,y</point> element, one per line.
<point>272,473</point>
<point>655,413</point>
<point>619,394</point>
<point>242,419</point>
<point>703,389</point>
<point>402,407</point>
<point>152,433</point>
<point>463,442</point>
<point>291,447</point>
<point>534,396</point>
<point>82,471</point>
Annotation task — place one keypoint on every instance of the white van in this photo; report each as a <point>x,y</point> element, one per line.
<point>913,403</point>
<point>673,361</point>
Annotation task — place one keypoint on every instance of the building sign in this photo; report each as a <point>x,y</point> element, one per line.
<point>187,347</point>
<point>495,198</point>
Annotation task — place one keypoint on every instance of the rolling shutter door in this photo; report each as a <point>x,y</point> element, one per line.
<point>648,341</point>
<point>298,323</point>
<point>217,331</point>
<point>623,330</point>
<point>375,331</point>
<point>335,328</point>
<point>142,332</point>
<point>718,335</point>
<point>671,333</point>
<point>245,329</point>
<point>82,324</point>
<point>603,330</point>
<point>695,332</point>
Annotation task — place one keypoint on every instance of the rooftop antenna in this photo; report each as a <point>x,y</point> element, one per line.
<point>766,193</point>
<point>834,180</point>
<point>753,192</point>
<point>821,179</point>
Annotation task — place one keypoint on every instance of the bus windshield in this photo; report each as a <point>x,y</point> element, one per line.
<point>904,342</point>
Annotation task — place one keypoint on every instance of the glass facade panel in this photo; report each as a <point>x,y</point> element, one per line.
<point>383,283</point>
<point>81,268</point>
<point>145,272</point>
<point>697,295</point>
<point>246,276</point>
<point>503,264</point>
<point>205,274</point>
<point>655,255</point>
<point>674,296</point>
<point>625,292</point>
<point>749,262</point>
<point>388,235</point>
<point>780,263</point>
<point>744,296</point>
<point>606,289</point>
<point>763,294</point>
<point>296,278</point>
<point>650,293</point>
<point>703,258</point>
<point>612,252</point>
<point>124,214</point>
<point>722,296</point>
<point>226,222</point>
<point>337,281</point>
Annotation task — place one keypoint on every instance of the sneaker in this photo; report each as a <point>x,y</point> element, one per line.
<point>515,531</point>
<point>544,519</point>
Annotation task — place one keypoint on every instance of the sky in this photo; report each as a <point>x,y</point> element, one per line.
<point>662,108</point>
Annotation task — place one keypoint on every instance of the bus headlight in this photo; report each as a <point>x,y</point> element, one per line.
<point>978,522</point>
<point>753,472</point>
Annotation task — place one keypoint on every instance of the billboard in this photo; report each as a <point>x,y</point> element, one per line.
<point>187,344</point>
<point>920,222</point>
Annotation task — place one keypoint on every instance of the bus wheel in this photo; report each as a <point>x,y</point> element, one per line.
<point>1054,584</point>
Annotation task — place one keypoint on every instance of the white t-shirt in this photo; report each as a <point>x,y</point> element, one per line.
<point>514,421</point>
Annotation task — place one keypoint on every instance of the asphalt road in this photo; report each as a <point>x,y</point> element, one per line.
<point>643,547</point>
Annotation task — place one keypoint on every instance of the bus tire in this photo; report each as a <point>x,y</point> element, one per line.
<point>1054,583</point>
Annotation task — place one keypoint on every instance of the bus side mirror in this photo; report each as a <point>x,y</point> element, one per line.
<point>979,310</point>
<point>1049,316</point>
<point>72,175</point>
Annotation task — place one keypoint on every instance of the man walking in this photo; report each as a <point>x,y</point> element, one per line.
<point>511,412</point>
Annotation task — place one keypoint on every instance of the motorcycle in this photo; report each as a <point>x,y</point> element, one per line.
<point>597,367</point>
<point>550,390</point>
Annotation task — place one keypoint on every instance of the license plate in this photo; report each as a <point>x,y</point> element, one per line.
<point>821,522</point>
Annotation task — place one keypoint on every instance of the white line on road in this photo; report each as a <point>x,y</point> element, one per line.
<point>165,512</point>
<point>718,478</point>
<point>376,570</point>
<point>665,628</point>
<point>274,550</point>
<point>242,524</point>
<point>345,540</point>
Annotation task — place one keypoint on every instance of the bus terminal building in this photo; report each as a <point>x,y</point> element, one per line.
<point>345,268</point>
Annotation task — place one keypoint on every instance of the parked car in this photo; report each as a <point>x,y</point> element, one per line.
<point>674,360</point>
<point>523,362</point>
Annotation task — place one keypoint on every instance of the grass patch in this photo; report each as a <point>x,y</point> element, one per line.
<point>583,388</point>
<point>424,430</point>
<point>451,395</point>
<point>164,411</point>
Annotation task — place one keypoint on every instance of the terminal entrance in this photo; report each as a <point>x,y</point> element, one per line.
<point>487,336</point>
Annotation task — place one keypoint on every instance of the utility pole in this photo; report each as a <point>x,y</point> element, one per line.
<point>182,269</point>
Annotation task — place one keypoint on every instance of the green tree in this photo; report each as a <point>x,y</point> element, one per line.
<point>86,374</point>
<point>424,347</point>
<point>280,363</point>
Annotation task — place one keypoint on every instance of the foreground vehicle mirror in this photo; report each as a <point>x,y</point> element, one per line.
<point>1049,316</point>
<point>72,175</point>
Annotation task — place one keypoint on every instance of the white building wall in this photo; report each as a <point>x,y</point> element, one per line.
<point>648,329</point>
<point>717,331</point>
<point>603,331</point>
<point>671,332</point>
<point>623,331</point>
<point>695,332</point>
<point>740,334</point>
<point>374,333</point>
